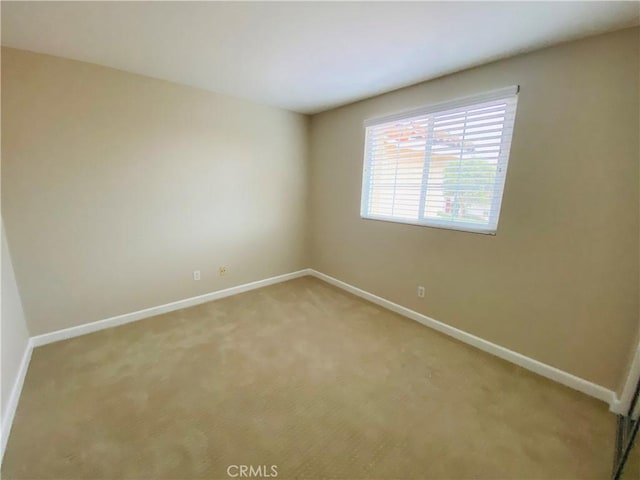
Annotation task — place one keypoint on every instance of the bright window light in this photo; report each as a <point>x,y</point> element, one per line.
<point>441,166</point>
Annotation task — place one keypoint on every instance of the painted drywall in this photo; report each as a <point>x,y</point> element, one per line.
<point>559,281</point>
<point>13,329</point>
<point>116,187</point>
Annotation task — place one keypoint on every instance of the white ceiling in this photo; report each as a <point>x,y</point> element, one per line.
<point>306,56</point>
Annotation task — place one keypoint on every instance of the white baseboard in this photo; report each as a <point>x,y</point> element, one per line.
<point>12,404</point>
<point>46,338</point>
<point>98,325</point>
<point>623,404</point>
<point>540,368</point>
<point>535,366</point>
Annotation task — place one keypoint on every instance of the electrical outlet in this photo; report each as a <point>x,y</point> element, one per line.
<point>421,292</point>
<point>222,270</point>
<point>196,274</point>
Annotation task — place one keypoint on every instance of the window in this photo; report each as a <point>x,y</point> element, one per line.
<point>440,166</point>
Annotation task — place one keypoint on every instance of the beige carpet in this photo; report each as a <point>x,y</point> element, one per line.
<point>302,376</point>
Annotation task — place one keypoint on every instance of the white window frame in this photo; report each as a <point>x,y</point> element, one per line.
<point>503,161</point>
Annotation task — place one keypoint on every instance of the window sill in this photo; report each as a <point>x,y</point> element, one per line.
<point>433,224</point>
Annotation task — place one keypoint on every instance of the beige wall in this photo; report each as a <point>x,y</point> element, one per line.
<point>14,333</point>
<point>559,281</point>
<point>115,187</point>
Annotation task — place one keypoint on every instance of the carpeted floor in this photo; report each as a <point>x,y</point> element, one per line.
<point>304,377</point>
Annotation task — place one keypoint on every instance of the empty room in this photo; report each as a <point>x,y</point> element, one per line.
<point>320,240</point>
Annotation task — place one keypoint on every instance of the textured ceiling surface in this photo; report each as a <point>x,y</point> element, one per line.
<point>302,56</point>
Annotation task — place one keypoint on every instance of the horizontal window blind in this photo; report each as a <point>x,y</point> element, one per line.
<point>443,166</point>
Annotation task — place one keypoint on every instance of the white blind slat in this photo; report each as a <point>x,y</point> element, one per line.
<point>442,165</point>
